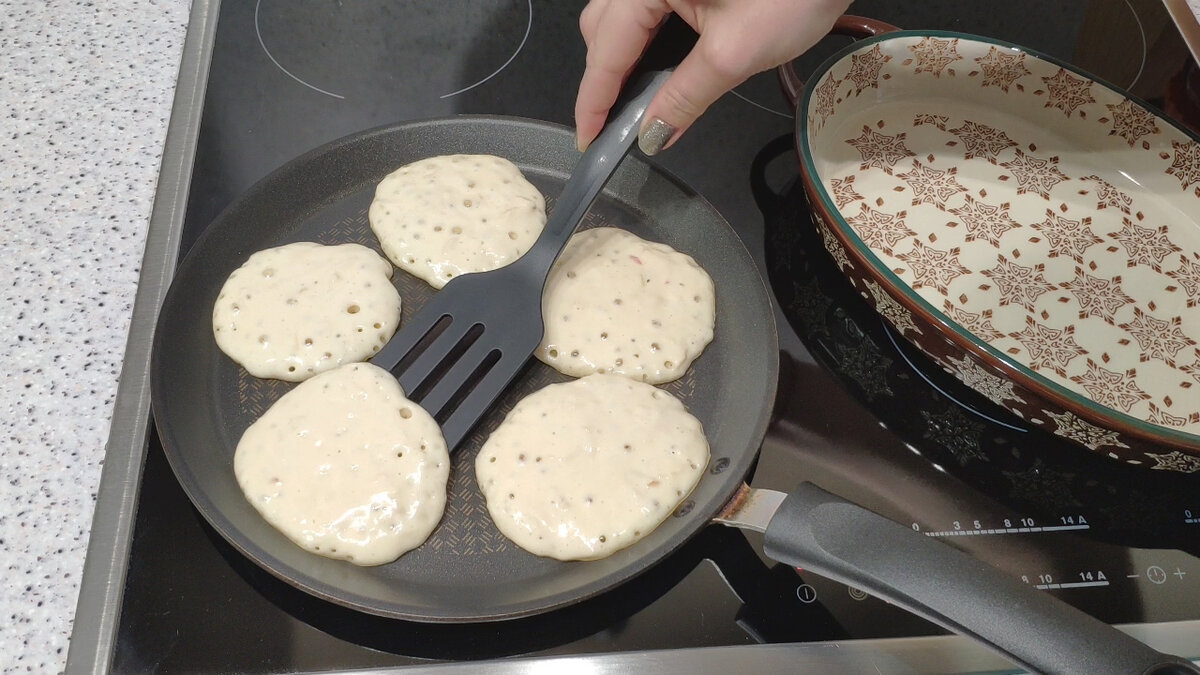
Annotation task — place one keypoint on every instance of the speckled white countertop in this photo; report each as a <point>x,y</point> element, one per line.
<point>85,96</point>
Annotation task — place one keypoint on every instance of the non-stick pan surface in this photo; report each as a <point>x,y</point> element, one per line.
<point>466,570</point>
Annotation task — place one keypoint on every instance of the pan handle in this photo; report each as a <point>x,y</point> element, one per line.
<point>857,27</point>
<point>823,533</point>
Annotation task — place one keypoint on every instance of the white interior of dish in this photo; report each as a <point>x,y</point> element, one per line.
<point>1085,269</point>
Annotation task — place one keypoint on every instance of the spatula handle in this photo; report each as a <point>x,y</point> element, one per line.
<point>594,169</point>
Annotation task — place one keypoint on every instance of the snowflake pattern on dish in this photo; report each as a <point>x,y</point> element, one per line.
<point>1175,461</point>
<point>1084,432</point>
<point>832,244</point>
<point>825,97</point>
<point>933,267</point>
<point>1067,92</point>
<point>843,192</point>
<point>1113,389</point>
<point>1019,285</point>
<point>890,309</point>
<point>1193,368</point>
<point>1034,174</point>
<point>1143,245</point>
<point>1163,418</point>
<point>982,140</point>
<point>1158,338</point>
<point>1049,348</point>
<point>879,230</point>
<point>934,55</point>
<point>1002,68</point>
<point>932,186</point>
<point>865,67</point>
<point>984,221</point>
<point>879,150</point>
<point>1066,236</point>
<point>1131,121</point>
<point>997,389</point>
<point>1096,296</point>
<point>1108,195</point>
<point>979,323</point>
<point>939,121</point>
<point>1188,276</point>
<point>1186,164</point>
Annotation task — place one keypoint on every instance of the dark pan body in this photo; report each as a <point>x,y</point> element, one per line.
<point>467,570</point>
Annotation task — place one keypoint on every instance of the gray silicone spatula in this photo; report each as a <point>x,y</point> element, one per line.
<point>464,346</point>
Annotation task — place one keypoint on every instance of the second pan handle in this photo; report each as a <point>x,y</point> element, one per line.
<point>854,26</point>
<point>832,537</point>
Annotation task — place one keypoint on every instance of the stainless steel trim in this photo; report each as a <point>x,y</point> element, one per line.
<point>938,654</point>
<point>94,633</point>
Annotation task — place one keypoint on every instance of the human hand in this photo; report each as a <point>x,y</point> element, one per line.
<point>738,38</point>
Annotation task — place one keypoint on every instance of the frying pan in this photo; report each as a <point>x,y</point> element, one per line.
<point>466,571</point>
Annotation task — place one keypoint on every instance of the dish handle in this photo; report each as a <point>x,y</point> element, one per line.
<point>857,27</point>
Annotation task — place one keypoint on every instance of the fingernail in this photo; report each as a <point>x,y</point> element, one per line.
<point>654,136</point>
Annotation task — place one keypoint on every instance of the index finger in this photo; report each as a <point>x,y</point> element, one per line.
<point>620,36</point>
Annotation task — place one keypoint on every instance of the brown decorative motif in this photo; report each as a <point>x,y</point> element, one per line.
<point>824,97</point>
<point>1143,245</point>
<point>938,121</point>
<point>984,221</point>
<point>934,55</point>
<point>1096,296</point>
<point>878,229</point>
<point>933,267</point>
<point>1108,195</point>
<point>865,67</point>
<point>1049,348</point>
<point>1116,390</point>
<point>1067,92</point>
<point>1158,338</point>
<point>1067,237</point>
<point>982,140</point>
<point>1160,416</point>
<point>1186,164</point>
<point>879,150</point>
<point>932,186</point>
<point>1188,276</point>
<point>843,191</point>
<point>1001,69</point>
<point>1131,121</point>
<point>1019,285</point>
<point>979,323</point>
<point>1035,175</point>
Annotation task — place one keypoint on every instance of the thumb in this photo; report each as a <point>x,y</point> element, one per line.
<point>695,85</point>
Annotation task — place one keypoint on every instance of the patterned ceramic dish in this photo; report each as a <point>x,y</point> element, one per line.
<point>1031,228</point>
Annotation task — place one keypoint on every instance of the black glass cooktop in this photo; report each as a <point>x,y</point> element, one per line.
<point>859,412</point>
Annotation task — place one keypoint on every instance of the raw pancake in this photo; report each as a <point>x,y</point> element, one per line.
<point>580,470</point>
<point>444,216</point>
<point>346,466</point>
<point>616,303</point>
<point>293,311</point>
